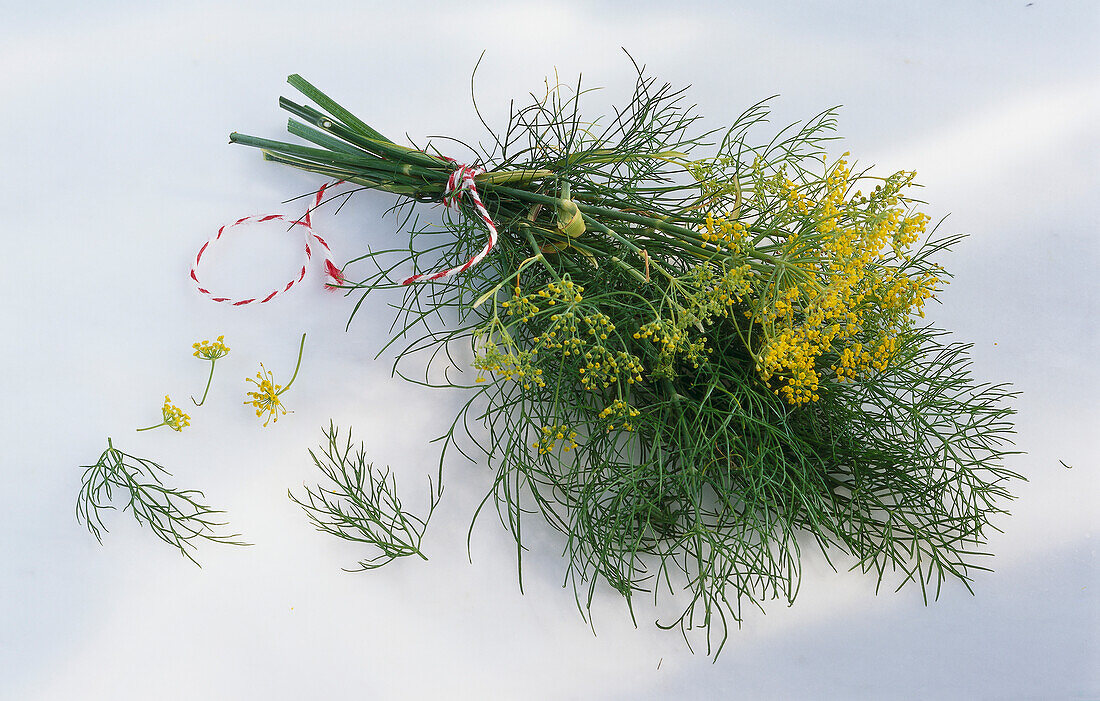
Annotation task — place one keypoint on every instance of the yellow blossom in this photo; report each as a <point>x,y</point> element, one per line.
<point>845,293</point>
<point>552,435</point>
<point>211,350</point>
<point>173,416</point>
<point>266,400</point>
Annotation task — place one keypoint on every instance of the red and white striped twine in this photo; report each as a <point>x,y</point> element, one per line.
<point>462,181</point>
<point>333,276</point>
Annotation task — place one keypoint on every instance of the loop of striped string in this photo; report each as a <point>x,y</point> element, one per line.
<point>333,275</point>
<point>461,182</point>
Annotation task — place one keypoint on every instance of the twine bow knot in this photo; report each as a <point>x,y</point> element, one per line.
<point>461,182</point>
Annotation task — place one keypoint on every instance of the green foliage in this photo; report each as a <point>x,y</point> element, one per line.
<point>361,503</point>
<point>176,516</point>
<point>723,367</point>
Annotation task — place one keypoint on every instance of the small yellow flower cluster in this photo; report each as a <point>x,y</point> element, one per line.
<point>211,350</point>
<point>909,232</point>
<point>721,233</point>
<point>714,293</point>
<point>511,366</point>
<point>552,435</point>
<point>718,293</point>
<point>836,189</point>
<point>844,290</point>
<point>602,368</point>
<point>521,306</point>
<point>857,360</point>
<point>794,353</point>
<point>598,324</point>
<point>570,331</point>
<point>266,400</point>
<point>898,294</point>
<point>621,411</point>
<point>562,334</point>
<point>526,306</point>
<point>673,341</point>
<point>174,418</point>
<point>795,199</point>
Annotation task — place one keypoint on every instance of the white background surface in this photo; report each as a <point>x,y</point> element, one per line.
<point>116,168</point>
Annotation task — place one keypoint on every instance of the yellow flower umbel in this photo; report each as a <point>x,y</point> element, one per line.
<point>207,350</point>
<point>621,412</point>
<point>551,436</point>
<point>174,418</point>
<point>266,399</point>
<point>211,350</point>
<point>713,294</point>
<point>847,291</point>
<point>567,329</point>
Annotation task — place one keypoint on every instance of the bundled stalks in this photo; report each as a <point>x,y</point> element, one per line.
<point>695,355</point>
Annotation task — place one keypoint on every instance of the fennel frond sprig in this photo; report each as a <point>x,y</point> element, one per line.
<point>360,504</point>
<point>179,517</point>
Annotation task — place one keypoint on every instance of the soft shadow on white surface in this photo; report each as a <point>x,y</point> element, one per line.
<point>116,170</point>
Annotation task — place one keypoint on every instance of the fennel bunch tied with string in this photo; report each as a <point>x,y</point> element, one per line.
<point>695,354</point>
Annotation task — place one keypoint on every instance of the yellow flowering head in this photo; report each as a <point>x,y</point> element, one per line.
<point>621,412</point>
<point>211,350</point>
<point>848,289</point>
<point>174,418</point>
<point>551,436</point>
<point>266,399</point>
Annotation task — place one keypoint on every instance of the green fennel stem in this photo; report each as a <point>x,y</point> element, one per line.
<point>209,379</point>
<point>301,347</point>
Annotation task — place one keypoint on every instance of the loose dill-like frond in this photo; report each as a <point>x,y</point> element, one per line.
<point>177,516</point>
<point>360,503</point>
